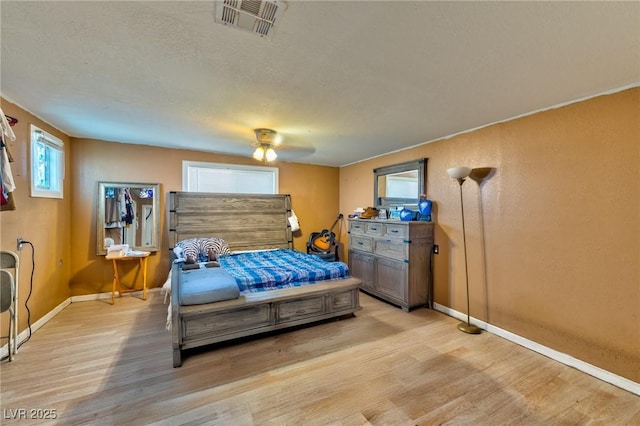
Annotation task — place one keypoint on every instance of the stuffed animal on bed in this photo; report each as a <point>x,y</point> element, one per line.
<point>196,250</point>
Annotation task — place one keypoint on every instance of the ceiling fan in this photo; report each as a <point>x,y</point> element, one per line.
<point>267,139</point>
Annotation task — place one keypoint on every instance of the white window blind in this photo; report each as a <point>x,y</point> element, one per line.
<point>228,178</point>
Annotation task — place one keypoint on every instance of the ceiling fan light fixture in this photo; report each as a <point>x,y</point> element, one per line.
<point>266,139</point>
<point>258,154</point>
<point>270,154</point>
<point>265,136</point>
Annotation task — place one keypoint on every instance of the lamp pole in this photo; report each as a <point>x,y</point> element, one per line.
<point>466,327</point>
<point>460,174</point>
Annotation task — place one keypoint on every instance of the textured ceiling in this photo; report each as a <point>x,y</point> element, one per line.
<point>340,81</point>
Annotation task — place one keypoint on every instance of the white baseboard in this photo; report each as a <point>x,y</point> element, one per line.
<point>24,335</point>
<point>107,295</point>
<point>563,358</point>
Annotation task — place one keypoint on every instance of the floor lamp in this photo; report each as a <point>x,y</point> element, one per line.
<point>460,174</point>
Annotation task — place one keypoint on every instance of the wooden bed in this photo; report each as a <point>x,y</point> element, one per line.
<point>245,222</point>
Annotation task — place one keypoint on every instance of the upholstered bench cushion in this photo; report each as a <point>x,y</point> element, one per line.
<point>207,285</point>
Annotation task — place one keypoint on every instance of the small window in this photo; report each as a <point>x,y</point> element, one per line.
<point>47,164</point>
<point>228,178</point>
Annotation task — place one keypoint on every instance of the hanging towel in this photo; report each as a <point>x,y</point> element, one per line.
<point>8,184</point>
<point>7,132</point>
<point>293,222</point>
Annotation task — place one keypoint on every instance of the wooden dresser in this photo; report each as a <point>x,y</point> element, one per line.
<point>393,259</point>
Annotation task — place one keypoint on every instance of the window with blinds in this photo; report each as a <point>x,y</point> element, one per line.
<point>47,164</point>
<point>228,178</point>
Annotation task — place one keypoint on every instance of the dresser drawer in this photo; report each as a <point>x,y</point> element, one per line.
<point>397,230</point>
<point>360,243</point>
<point>357,227</point>
<point>375,229</point>
<point>394,248</point>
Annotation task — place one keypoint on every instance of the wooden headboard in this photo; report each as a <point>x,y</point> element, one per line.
<point>244,221</point>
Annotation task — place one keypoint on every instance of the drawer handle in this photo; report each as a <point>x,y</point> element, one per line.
<point>374,229</point>
<point>395,231</point>
<point>360,243</point>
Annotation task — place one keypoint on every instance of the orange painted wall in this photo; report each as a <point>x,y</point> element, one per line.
<point>45,222</point>
<point>63,232</point>
<point>553,237</point>
<point>313,192</point>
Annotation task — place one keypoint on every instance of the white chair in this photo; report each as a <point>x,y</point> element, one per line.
<point>9,263</point>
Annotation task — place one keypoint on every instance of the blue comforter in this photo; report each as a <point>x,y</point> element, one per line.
<point>268,270</point>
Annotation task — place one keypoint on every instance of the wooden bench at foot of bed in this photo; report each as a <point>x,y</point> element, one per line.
<point>260,312</point>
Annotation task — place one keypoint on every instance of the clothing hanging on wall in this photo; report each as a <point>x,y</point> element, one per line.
<point>7,132</point>
<point>112,216</point>
<point>119,210</point>
<point>128,213</point>
<point>7,184</point>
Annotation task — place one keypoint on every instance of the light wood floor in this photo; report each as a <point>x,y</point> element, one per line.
<point>100,364</point>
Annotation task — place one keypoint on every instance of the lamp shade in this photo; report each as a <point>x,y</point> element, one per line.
<point>258,154</point>
<point>459,172</point>
<point>270,154</point>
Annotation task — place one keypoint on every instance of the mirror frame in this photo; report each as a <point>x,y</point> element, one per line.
<point>100,214</point>
<point>419,165</point>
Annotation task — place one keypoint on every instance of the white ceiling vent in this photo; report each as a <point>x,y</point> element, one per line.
<point>258,16</point>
